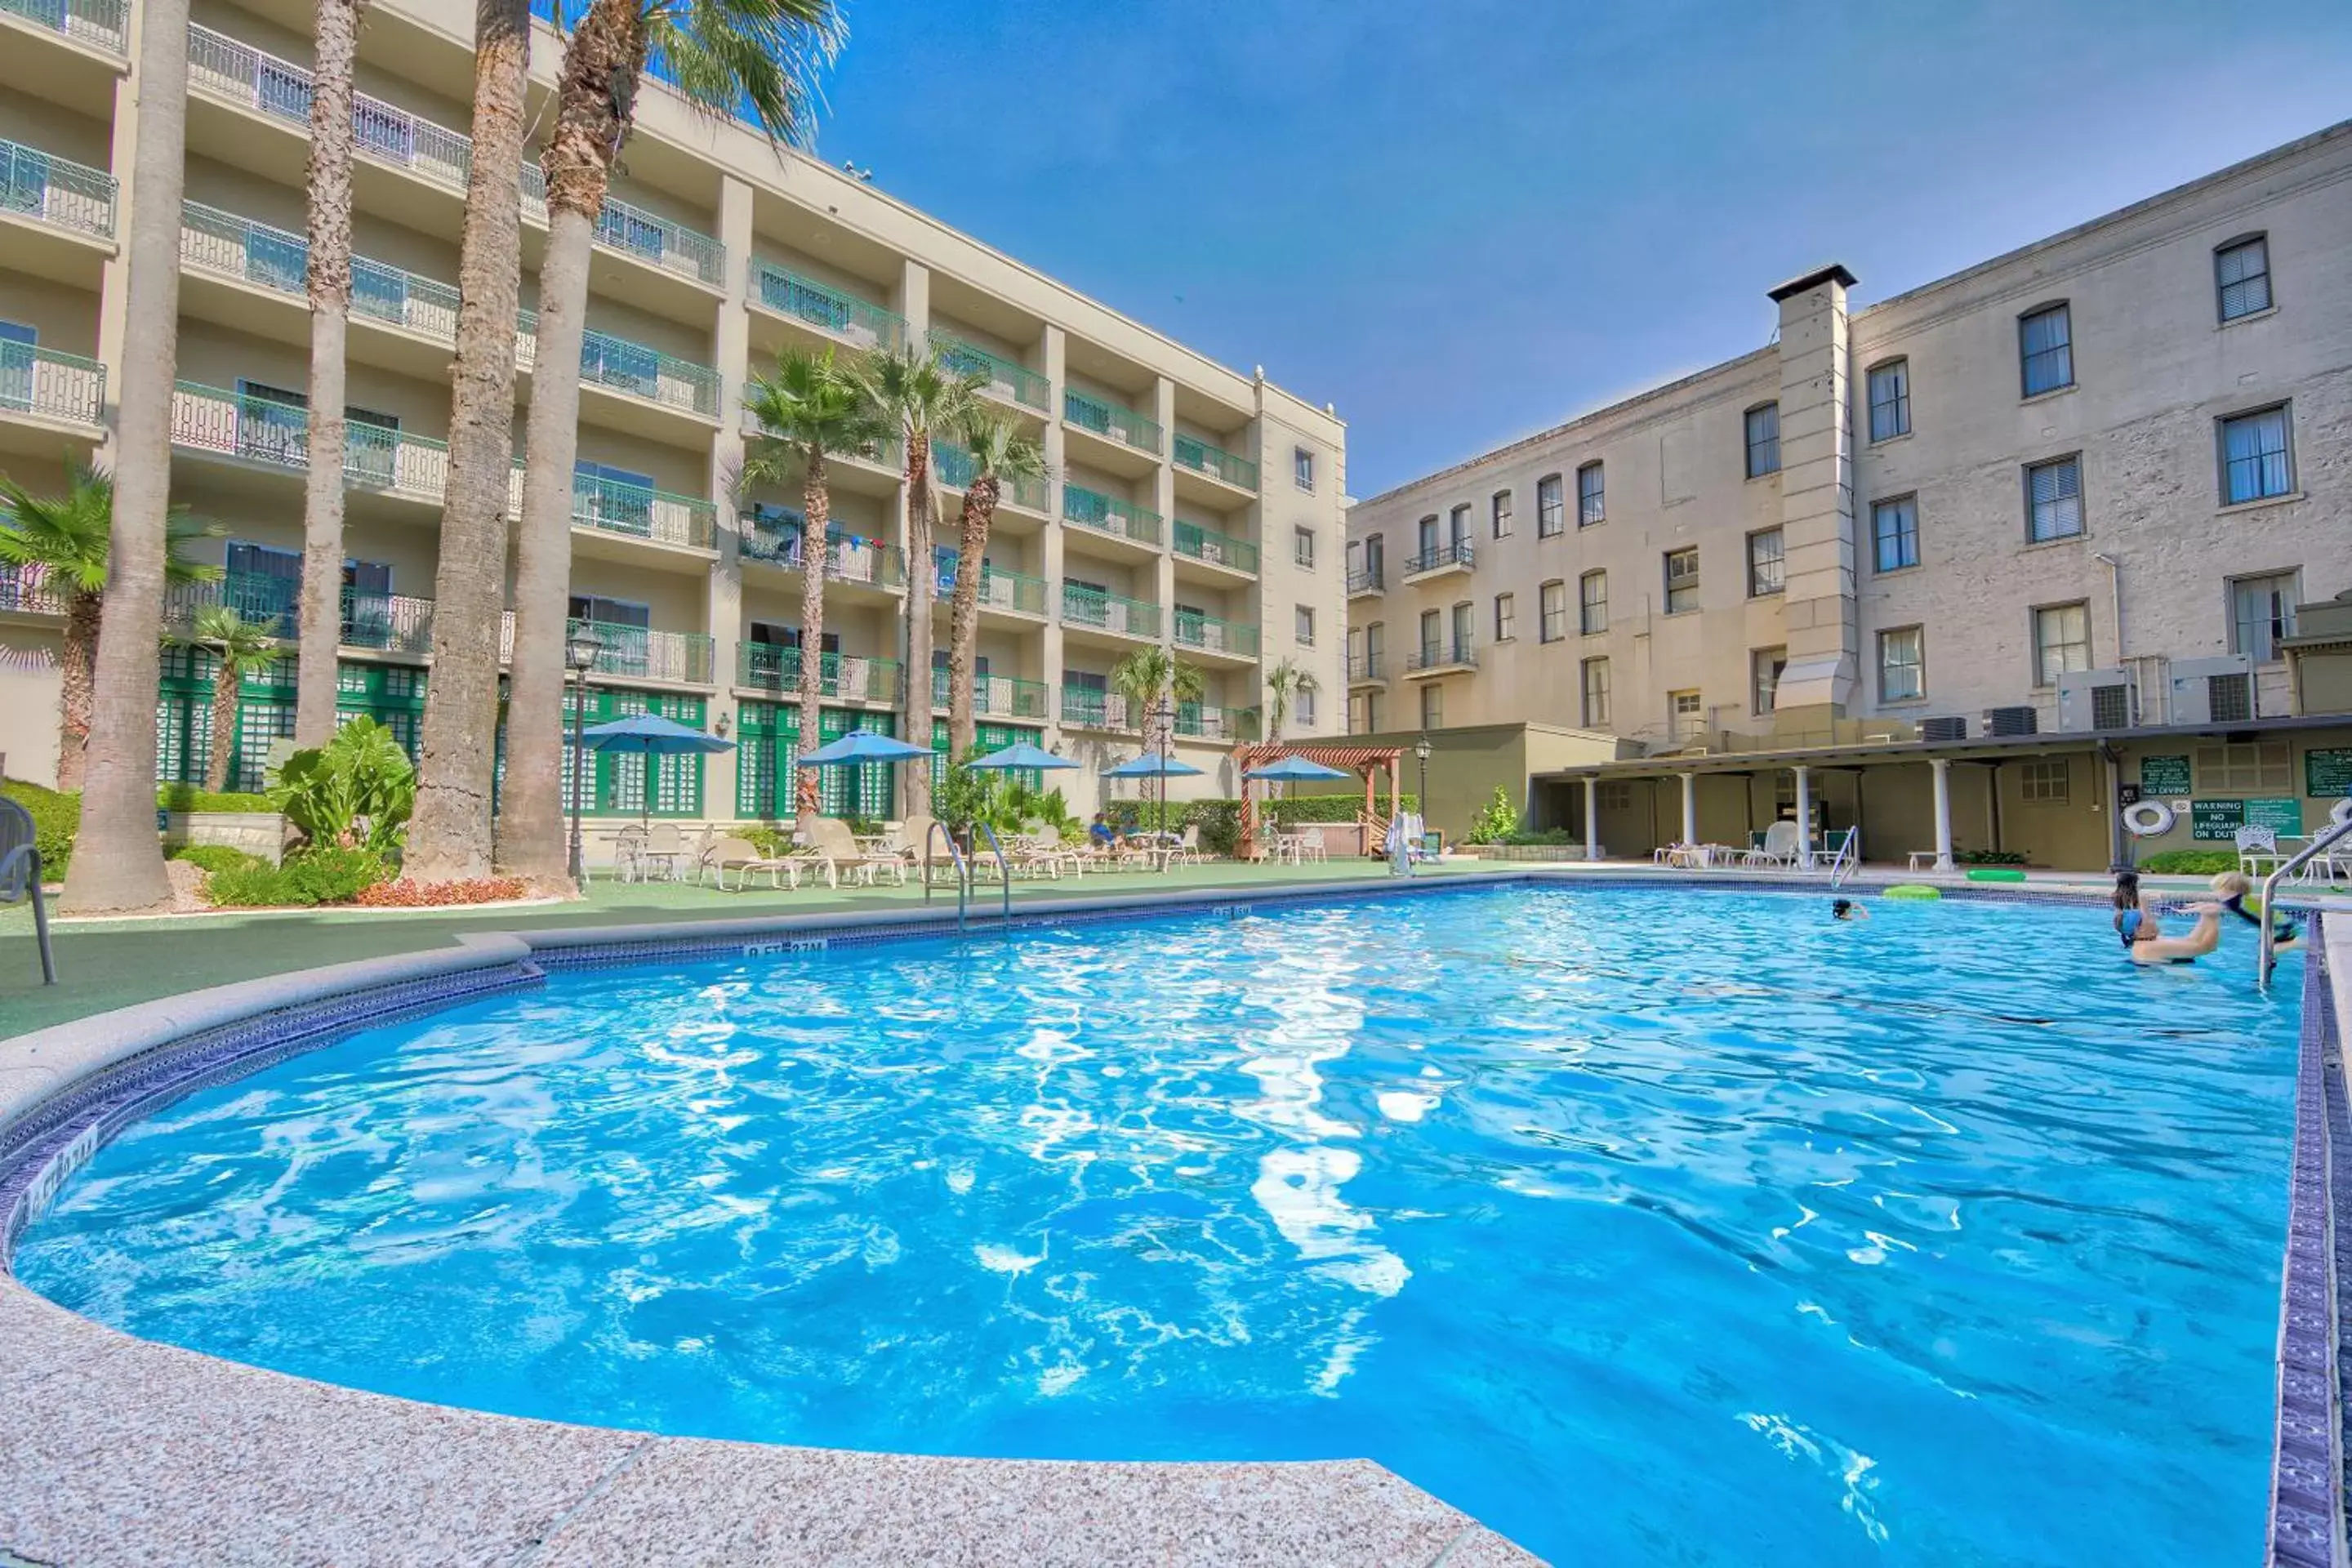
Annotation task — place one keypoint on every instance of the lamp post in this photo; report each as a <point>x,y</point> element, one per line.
<point>1164,735</point>
<point>580,652</point>
<point>1421,754</point>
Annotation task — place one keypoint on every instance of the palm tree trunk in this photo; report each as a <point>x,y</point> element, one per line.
<point>118,861</point>
<point>449,835</point>
<point>921,574</point>
<point>531,836</point>
<point>74,675</point>
<point>816,507</point>
<point>964,613</point>
<point>320,622</point>
<point>225,680</point>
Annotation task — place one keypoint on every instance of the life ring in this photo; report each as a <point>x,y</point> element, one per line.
<point>2343,812</point>
<point>2147,819</point>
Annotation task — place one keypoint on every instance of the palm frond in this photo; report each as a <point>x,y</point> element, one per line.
<point>69,535</point>
<point>762,59</point>
<point>808,401</point>
<point>1000,447</point>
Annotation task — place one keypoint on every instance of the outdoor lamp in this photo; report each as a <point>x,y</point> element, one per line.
<point>581,649</point>
<point>1421,753</point>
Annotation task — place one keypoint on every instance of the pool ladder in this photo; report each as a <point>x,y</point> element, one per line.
<point>964,871</point>
<point>2336,832</point>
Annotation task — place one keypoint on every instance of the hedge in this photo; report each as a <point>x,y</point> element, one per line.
<point>1219,817</point>
<point>2189,862</point>
<point>57,817</point>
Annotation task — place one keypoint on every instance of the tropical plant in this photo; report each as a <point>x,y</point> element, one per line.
<point>355,792</point>
<point>1284,683</point>
<point>759,55</point>
<point>921,398</point>
<point>1000,451</point>
<point>335,37</point>
<point>1148,674</point>
<point>1497,821</point>
<point>313,875</point>
<point>808,408</point>
<point>458,754</point>
<point>238,647</point>
<point>62,542</point>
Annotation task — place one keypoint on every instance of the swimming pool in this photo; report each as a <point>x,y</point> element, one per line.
<point>1644,1226</point>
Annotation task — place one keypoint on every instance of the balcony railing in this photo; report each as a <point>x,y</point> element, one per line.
<point>1109,419</point>
<point>1365,580</point>
<point>28,591</point>
<point>1086,709</point>
<point>767,666</point>
<point>847,560</point>
<point>269,602</point>
<point>619,365</point>
<point>831,310</point>
<point>1105,514</point>
<point>34,380</point>
<point>388,622</point>
<point>1195,722</point>
<point>1007,380</point>
<point>220,65</point>
<point>1438,557</point>
<point>260,430</point>
<point>1206,544</point>
<point>1109,612</point>
<point>632,231</point>
<point>56,191</point>
<point>1443,656</point>
<point>996,695</point>
<point>1002,590</point>
<point>610,507</point>
<point>643,654</point>
<point>957,468</point>
<point>1214,461</point>
<point>1211,635</point>
<point>1367,667</point>
<point>105,23</point>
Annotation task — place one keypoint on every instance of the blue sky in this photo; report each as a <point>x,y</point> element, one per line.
<point>1467,221</point>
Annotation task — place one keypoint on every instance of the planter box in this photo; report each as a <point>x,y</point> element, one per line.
<point>1521,851</point>
<point>261,833</point>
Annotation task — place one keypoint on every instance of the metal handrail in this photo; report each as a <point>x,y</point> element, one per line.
<point>1004,866</point>
<point>955,858</point>
<point>2267,955</point>
<point>1846,861</point>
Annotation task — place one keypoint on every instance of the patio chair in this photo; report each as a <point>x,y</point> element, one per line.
<point>1311,846</point>
<point>665,845</point>
<point>830,837</point>
<point>1781,843</point>
<point>20,877</point>
<point>746,859</point>
<point>1046,843</point>
<point>2258,851</point>
<point>628,853</point>
<point>1186,850</point>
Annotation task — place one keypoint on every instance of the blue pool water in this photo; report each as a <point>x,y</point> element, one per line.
<point>1648,1227</point>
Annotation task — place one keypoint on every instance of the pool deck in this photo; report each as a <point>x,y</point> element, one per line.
<point>119,1451</point>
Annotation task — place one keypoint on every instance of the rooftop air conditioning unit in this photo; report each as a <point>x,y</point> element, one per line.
<point>1953,728</point>
<point>2213,691</point>
<point>2010,722</point>
<point>2097,700</point>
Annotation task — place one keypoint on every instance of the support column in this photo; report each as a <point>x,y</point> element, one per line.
<point>1050,564</point>
<point>1593,818</point>
<point>1804,818</point>
<point>723,620</point>
<point>1942,768</point>
<point>1690,808</point>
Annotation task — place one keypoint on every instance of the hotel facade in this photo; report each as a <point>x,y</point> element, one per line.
<point>1959,561</point>
<point>1185,504</point>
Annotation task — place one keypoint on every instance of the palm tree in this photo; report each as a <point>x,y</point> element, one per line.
<point>999,452</point>
<point>449,836</point>
<point>762,54</point>
<point>808,407</point>
<point>118,861</point>
<point>1283,682</point>
<point>919,397</point>
<point>1143,678</point>
<point>237,646</point>
<point>335,32</point>
<point>61,541</point>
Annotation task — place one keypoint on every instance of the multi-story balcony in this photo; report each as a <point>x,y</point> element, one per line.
<point>38,187</point>
<point>1440,659</point>
<point>1441,560</point>
<point>957,468</point>
<point>1093,610</point>
<point>1208,634</point>
<point>1109,515</point>
<point>1193,456</point>
<point>641,653</point>
<point>845,676</point>
<point>1010,592</point>
<point>1366,581</point>
<point>260,431</point>
<point>1083,708</point>
<point>865,561</point>
<point>388,622</point>
<point>616,364</point>
<point>996,695</point>
<point>102,24</point>
<point>47,387</point>
<point>1007,381</point>
<point>632,231</point>
<point>1209,548</point>
<point>28,590</point>
<point>1196,722</point>
<point>1110,435</point>
<point>636,511</point>
<point>833,313</point>
<point>1367,670</point>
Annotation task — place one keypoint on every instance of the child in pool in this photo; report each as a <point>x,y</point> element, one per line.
<point>2234,887</point>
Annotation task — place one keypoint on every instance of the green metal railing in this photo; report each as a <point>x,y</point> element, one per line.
<point>640,512</point>
<point>221,66</point>
<point>1211,635</point>
<point>57,191</point>
<point>848,558</point>
<point>957,468</point>
<point>643,654</point>
<point>767,666</point>
<point>28,590</point>
<point>388,622</point>
<point>1198,722</point>
<point>619,365</point>
<point>262,430</point>
<point>266,601</point>
<point>1011,382</point>
<point>1108,515</point>
<point>1105,417</point>
<point>34,380</point>
<point>1002,590</point>
<point>845,316</point>
<point>1216,462</point>
<point>1206,544</point>
<point>632,231</point>
<point>1083,607</point>
<point>996,695</point>
<point>1086,709</point>
<point>105,23</point>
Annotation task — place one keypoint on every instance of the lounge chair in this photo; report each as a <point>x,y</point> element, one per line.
<point>1045,848</point>
<point>746,859</point>
<point>1781,843</point>
<point>830,837</point>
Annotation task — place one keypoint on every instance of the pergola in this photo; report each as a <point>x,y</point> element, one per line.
<point>1369,760</point>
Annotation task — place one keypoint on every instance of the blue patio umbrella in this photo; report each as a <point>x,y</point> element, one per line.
<point>1020,755</point>
<point>649,735</point>
<point>862,746</point>
<point>1291,768</point>
<point>1150,765</point>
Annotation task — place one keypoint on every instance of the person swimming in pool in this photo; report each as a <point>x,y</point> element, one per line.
<point>2144,935</point>
<point>2234,887</point>
<point>1847,909</point>
<point>2128,915</point>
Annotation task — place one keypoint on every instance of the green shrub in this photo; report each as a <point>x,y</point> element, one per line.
<point>2191,862</point>
<point>217,857</point>
<point>362,774</point>
<point>326,875</point>
<point>188,797</point>
<point>1990,857</point>
<point>54,817</point>
<point>1497,821</point>
<point>1546,835</point>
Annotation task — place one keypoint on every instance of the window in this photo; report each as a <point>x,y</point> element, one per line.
<point>2046,783</point>
<point>1302,704</point>
<point>2245,767</point>
<point>1902,665</point>
<point>1302,468</point>
<point>1501,510</point>
<point>1763,440</point>
<point>1768,562</point>
<point>2241,273</point>
<point>1617,795</point>
<point>1890,400</point>
<point>1592,603</point>
<point>2045,348</point>
<point>1306,627</point>
<point>1764,668</point>
<point>1433,634</point>
<point>1463,628</point>
<point>2262,611</point>
<point>1551,510</point>
<point>1428,532</point>
<point>1555,611</point>
<point>1895,533</point>
<point>1457,526</point>
<point>2255,463</point>
<point>1685,714</point>
<point>1302,546</point>
<point>1507,617</point>
<point>2062,641</point>
<point>618,498</point>
<point>610,612</point>
<point>2054,500</point>
<point>1433,707</point>
<point>1590,508</point>
<point>1681,580</point>
<point>1596,693</point>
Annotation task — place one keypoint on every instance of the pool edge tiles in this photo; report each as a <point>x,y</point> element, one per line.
<point>2307,1474</point>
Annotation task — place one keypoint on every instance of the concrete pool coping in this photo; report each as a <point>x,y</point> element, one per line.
<point>125,1450</point>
